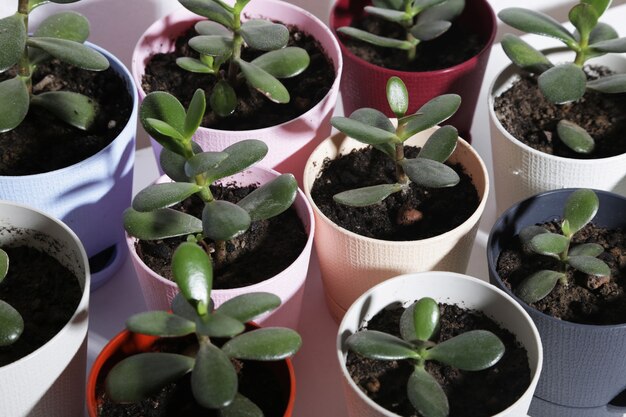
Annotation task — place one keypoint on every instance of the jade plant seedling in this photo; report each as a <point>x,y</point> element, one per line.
<point>471,351</point>
<point>422,20</point>
<point>214,380</point>
<point>11,322</point>
<point>567,82</point>
<point>580,208</point>
<point>219,45</point>
<point>194,171</point>
<point>60,36</point>
<point>372,127</point>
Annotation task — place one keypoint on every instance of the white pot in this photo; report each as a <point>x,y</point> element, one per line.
<point>444,287</point>
<point>50,381</point>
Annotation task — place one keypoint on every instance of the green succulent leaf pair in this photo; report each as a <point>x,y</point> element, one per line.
<point>11,321</point>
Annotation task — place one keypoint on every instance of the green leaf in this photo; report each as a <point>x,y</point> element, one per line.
<point>584,18</point>
<point>563,83</point>
<point>363,132</point>
<point>213,45</point>
<point>139,376</point>
<point>529,232</point>
<point>195,112</point>
<point>241,407</point>
<point>613,45</point>
<point>440,145</point>
<point>194,65</point>
<point>246,307</point>
<point>283,63</point>
<point>602,32</point>
<point>241,155</point>
<point>14,101</point>
<point>374,39</point>
<point>425,318</point>
<point>263,82</point>
<point>181,307</point>
<point>164,129</point>
<point>165,107</point>
<point>366,196</point>
<point>223,99</point>
<point>586,249</point>
<point>213,379</point>
<point>240,4</point>
<point>65,25</point>
<point>430,114</point>
<point>173,164</point>
<point>397,16</point>
<point>565,228</point>
<point>210,10</point>
<point>266,344</point>
<point>271,199</point>
<point>73,53</point>
<point>581,206</point>
<point>11,324</point>
<point>207,27</point>
<point>447,10</point>
<point>12,41</point>
<point>378,345</point>
<point>523,55</point>
<point>575,137</point>
<point>203,162</point>
<point>426,395</point>
<point>264,35</point>
<point>158,196</point>
<point>388,4</point>
<point>430,30</point>
<point>531,21</point>
<point>471,351</point>
<point>428,173</point>
<point>218,325</point>
<point>538,285</point>
<point>223,220</point>
<point>72,108</point>
<point>550,244</point>
<point>193,273</point>
<point>160,323</point>
<point>398,97</point>
<point>374,118</point>
<point>599,6</point>
<point>160,224</point>
<point>419,5</point>
<point>612,84</point>
<point>589,265</point>
<point>4,264</point>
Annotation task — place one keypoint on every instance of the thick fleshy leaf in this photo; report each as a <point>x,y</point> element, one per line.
<point>426,395</point>
<point>263,82</point>
<point>173,164</point>
<point>193,273</point>
<point>374,118</point>
<point>589,265</point>
<point>270,199</point>
<point>575,137</point>
<point>194,65</point>
<point>241,407</point>
<point>397,16</point>
<point>160,323</point>
<point>430,30</point>
<point>223,220</point>
<point>73,53</point>
<point>65,25</point>
<point>181,307</point>
<point>223,99</point>
<point>266,344</point>
<point>548,244</point>
<point>613,45</point>
<point>208,27</point>
<point>397,97</point>
<point>425,318</point>
<point>529,232</point>
<point>366,196</point>
<point>378,345</point>
<point>264,35</point>
<point>563,83</point>
<point>4,264</point>
<point>218,325</point>
<point>241,155</point>
<point>428,173</point>
<point>471,351</point>
<point>12,40</point>
<point>531,21</point>
<point>602,32</point>
<point>363,132</point>
<point>163,106</point>
<point>523,55</point>
<point>283,63</point>
<point>612,84</point>
<point>14,101</point>
<point>388,4</point>
<point>440,145</point>
<point>374,39</point>
<point>213,379</point>
<point>419,5</point>
<point>160,224</point>
<point>447,10</point>
<point>72,108</point>
<point>584,18</point>
<point>11,324</point>
<point>246,307</point>
<point>430,114</point>
<point>166,130</point>
<point>213,45</point>
<point>139,376</point>
<point>203,162</point>
<point>158,196</point>
<point>586,249</point>
<point>581,206</point>
<point>209,9</point>
<point>195,112</point>
<point>599,6</point>
<point>538,285</point>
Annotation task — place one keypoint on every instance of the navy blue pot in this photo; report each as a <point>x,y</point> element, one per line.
<point>584,365</point>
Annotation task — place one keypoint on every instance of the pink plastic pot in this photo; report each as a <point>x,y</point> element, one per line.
<point>288,285</point>
<point>464,79</point>
<point>289,143</point>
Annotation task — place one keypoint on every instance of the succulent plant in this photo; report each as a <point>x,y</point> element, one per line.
<point>219,45</point>
<point>11,321</point>
<point>566,82</point>
<point>470,351</point>
<point>580,208</point>
<point>59,36</point>
<point>422,20</point>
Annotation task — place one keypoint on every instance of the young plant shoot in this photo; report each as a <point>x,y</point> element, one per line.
<point>580,207</point>
<point>567,82</point>
<point>422,20</point>
<point>214,380</point>
<point>219,45</point>
<point>11,322</point>
<point>471,351</point>
<point>59,36</point>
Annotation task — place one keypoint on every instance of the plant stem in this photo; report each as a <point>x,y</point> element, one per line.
<point>581,55</point>
<point>24,62</point>
<point>205,193</point>
<point>237,42</point>
<point>412,51</point>
<point>400,174</point>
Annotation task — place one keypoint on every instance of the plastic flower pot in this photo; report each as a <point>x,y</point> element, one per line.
<point>585,365</point>
<point>350,264</point>
<point>288,284</point>
<point>451,288</point>
<point>49,381</point>
<point>91,195</point>
<point>289,143</point>
<point>363,84</point>
<point>543,408</point>
<point>521,171</point>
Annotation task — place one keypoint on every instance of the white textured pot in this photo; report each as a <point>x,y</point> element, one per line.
<point>351,264</point>
<point>50,381</point>
<point>521,171</point>
<point>444,287</point>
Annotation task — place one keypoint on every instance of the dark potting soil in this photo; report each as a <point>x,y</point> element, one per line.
<point>254,110</point>
<point>452,48</point>
<point>44,292</point>
<point>267,248</point>
<point>441,209</point>
<point>42,143</point>
<point>470,394</point>
<point>587,299</point>
<point>530,118</point>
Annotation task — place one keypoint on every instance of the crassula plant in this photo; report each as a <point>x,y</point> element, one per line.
<point>214,380</point>
<point>11,322</point>
<point>419,324</point>
<point>372,127</point>
<point>567,82</point>
<point>60,36</point>
<point>219,44</point>
<point>422,20</point>
<point>580,208</point>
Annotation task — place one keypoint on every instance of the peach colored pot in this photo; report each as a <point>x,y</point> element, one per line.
<point>351,264</point>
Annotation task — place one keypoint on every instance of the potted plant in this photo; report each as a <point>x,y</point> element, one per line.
<point>554,114</point>
<point>436,47</point>
<point>408,217</point>
<point>218,208</point>
<point>209,348</point>
<point>427,317</point>
<point>568,294</point>
<point>86,100</point>
<point>43,366</point>
<point>290,130</point>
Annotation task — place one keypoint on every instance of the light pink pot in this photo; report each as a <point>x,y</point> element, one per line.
<point>289,143</point>
<point>288,285</point>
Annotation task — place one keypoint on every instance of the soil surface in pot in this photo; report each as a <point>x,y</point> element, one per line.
<point>254,110</point>
<point>470,394</point>
<point>587,299</point>
<point>441,209</point>
<point>266,249</point>
<point>44,292</point>
<point>455,46</point>
<point>530,118</point>
<point>42,143</point>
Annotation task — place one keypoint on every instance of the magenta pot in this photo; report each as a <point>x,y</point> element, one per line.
<point>464,79</point>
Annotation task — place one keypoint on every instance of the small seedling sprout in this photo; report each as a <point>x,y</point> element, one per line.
<point>11,322</point>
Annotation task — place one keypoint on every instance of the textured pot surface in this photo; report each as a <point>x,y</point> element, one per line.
<point>543,408</point>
